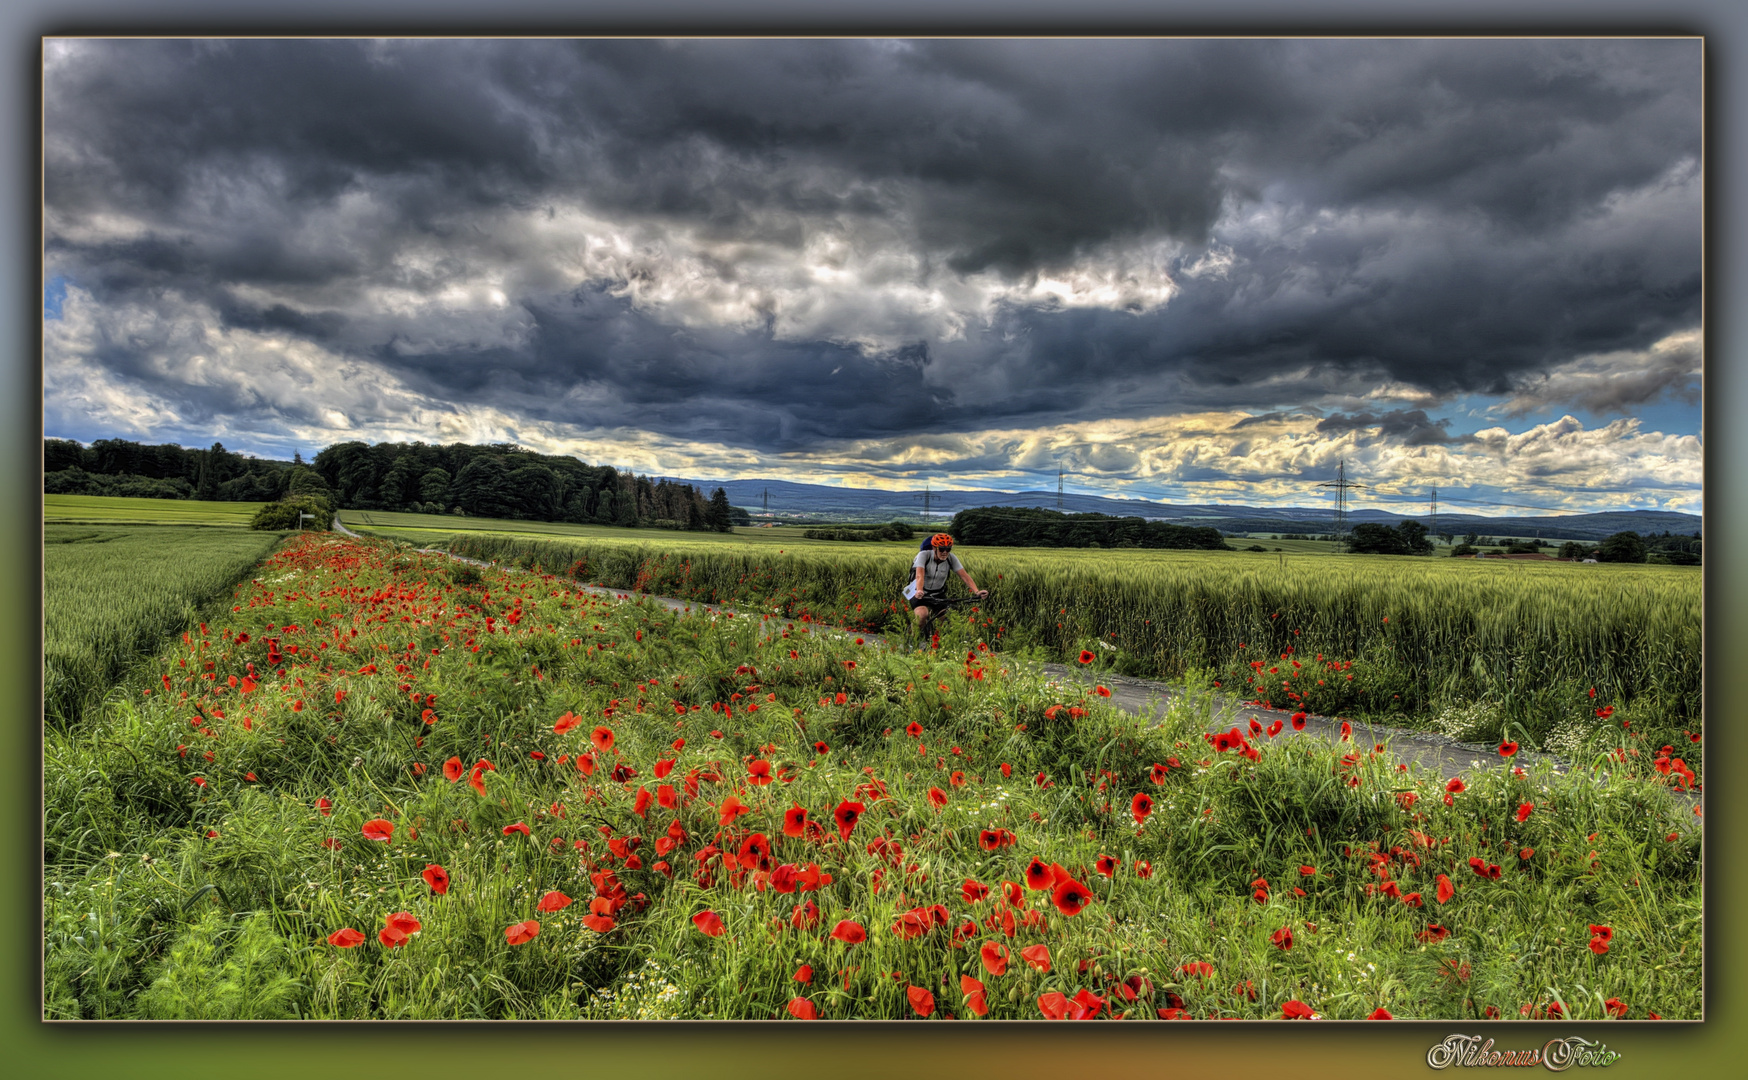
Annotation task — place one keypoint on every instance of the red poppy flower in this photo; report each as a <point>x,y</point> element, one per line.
<point>553,901</point>
<point>846,815</point>
<point>1606,933</point>
<point>1506,749</point>
<point>1070,896</point>
<point>1039,876</point>
<point>989,839</point>
<point>759,772</point>
<point>921,1001</point>
<point>1199,968</point>
<point>586,764</point>
<point>1524,810</point>
<point>1053,1005</point>
<point>1141,806</point>
<point>602,737</point>
<point>937,798</point>
<point>345,938</point>
<point>1599,945</point>
<point>1380,1013</point>
<point>973,891</point>
<point>730,809</point>
<point>521,933</point>
<point>1102,691</point>
<point>566,722</point>
<point>1143,869</point>
<point>1106,865</point>
<point>804,916</point>
<point>1455,785</point>
<point>640,805</point>
<point>1616,1007</point>
<point>974,993</point>
<point>1413,900</point>
<point>1086,656</point>
<point>600,924</point>
<point>1433,933</point>
<point>755,852</point>
<point>1038,956</point>
<point>850,933</point>
<point>404,923</point>
<point>795,822</point>
<point>995,958</point>
<point>1445,889</point>
<point>378,829</point>
<point>519,827</point>
<point>1282,939</point>
<point>1297,1010</point>
<point>436,877</point>
<point>802,1009</point>
<point>708,923</point>
<point>1298,721</point>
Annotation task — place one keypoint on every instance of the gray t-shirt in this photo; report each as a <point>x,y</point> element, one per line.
<point>935,571</point>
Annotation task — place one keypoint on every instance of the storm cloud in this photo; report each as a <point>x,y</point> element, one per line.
<point>772,246</point>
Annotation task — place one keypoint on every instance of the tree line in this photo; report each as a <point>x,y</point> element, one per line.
<point>1003,526</point>
<point>497,480</point>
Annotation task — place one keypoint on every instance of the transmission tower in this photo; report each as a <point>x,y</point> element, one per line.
<point>926,498</point>
<point>1435,511</point>
<point>1342,487</point>
<point>1058,491</point>
<point>767,502</point>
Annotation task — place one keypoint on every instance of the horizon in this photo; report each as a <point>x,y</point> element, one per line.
<point>1181,270</point>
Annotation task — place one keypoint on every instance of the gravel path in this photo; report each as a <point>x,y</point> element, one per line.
<point>1141,697</point>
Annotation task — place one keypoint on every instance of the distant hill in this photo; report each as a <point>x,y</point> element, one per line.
<point>784,499</point>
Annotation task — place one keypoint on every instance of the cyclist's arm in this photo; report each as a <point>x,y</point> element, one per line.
<point>965,575</point>
<point>919,584</point>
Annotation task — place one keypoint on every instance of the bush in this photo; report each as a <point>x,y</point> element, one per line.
<point>284,514</point>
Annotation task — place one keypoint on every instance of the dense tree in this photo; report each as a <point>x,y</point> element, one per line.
<point>1024,527</point>
<point>718,515</point>
<point>1622,547</point>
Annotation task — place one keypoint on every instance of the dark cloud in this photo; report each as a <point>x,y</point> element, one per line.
<point>1409,426</point>
<point>1453,216</point>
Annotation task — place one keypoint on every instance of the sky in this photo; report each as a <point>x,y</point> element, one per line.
<point>1186,270</point>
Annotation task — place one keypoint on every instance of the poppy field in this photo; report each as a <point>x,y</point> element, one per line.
<point>1555,656</point>
<point>380,784</point>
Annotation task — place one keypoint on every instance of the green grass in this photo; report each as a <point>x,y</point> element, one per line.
<point>107,510</point>
<point>110,595</point>
<point>170,898</point>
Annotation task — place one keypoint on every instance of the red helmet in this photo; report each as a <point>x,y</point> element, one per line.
<point>941,542</point>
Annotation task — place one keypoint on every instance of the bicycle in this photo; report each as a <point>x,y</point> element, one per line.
<point>928,631</point>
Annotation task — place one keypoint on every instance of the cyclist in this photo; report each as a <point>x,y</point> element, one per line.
<point>926,593</point>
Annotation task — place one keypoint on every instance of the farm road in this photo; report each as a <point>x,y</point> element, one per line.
<point>1140,697</point>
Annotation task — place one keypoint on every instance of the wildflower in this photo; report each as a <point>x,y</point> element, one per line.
<point>973,891</point>
<point>1380,1013</point>
<point>974,993</point>
<point>1445,889</point>
<point>846,815</point>
<point>849,932</point>
<point>921,1001</point>
<point>1282,939</point>
<point>1038,956</point>
<point>1106,865</point>
<point>1298,1010</point>
<point>1524,810</point>
<point>436,877</point>
<point>1102,691</point>
<point>519,827</point>
<point>1086,656</point>
<point>1506,749</point>
<point>378,829</point>
<point>708,923</point>
<point>1143,869</point>
<point>553,901</point>
<point>345,938</point>
<point>995,957</point>
<point>521,933</point>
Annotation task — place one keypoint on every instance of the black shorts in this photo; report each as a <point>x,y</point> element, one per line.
<point>935,602</point>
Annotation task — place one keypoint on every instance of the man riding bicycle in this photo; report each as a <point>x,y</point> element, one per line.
<point>926,594</point>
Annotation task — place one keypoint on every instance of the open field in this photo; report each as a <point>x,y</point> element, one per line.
<point>111,593</point>
<point>106,510</point>
<point>413,790</point>
<point>1472,648</point>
